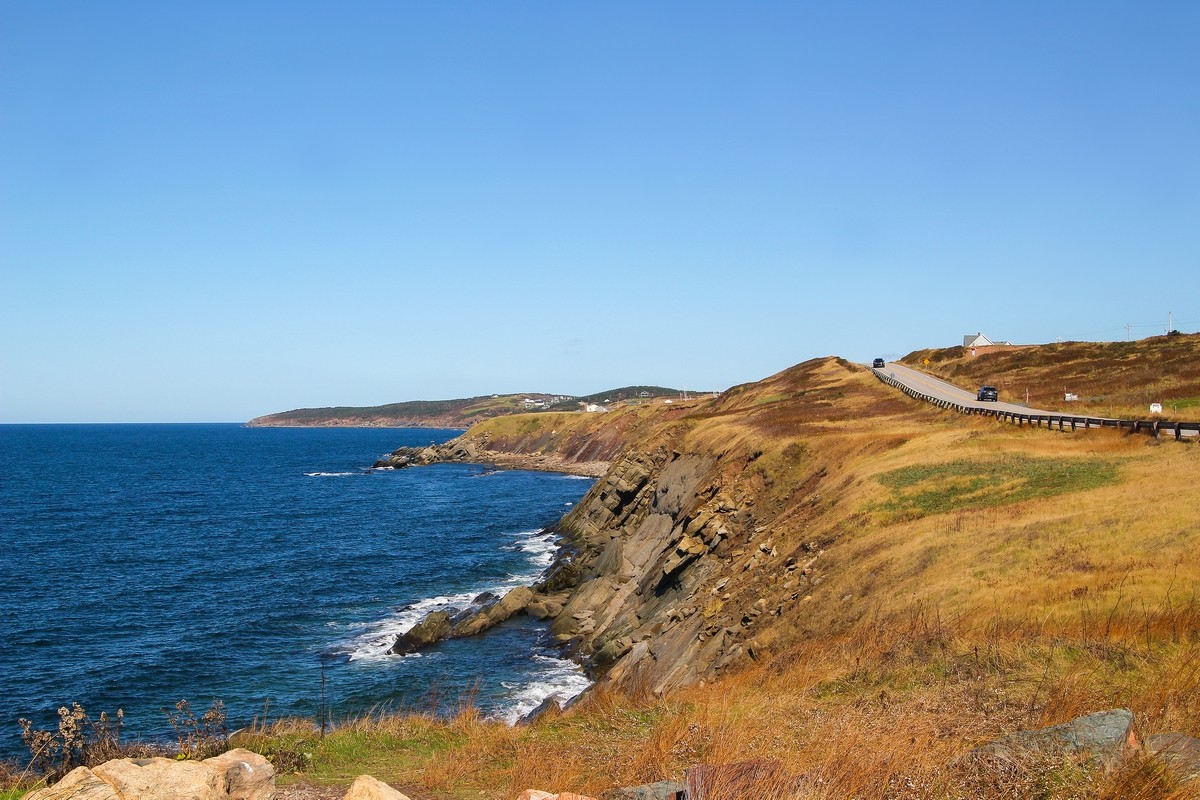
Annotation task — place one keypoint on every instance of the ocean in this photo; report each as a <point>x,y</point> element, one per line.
<point>145,564</point>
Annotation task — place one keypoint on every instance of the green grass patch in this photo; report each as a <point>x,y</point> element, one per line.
<point>925,489</point>
<point>384,747</point>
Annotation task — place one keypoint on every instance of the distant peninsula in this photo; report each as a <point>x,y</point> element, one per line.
<point>461,413</point>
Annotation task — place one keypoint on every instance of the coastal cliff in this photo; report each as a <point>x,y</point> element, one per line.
<point>704,540</point>
<point>734,529</point>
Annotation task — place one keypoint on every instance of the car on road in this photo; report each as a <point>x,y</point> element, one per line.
<point>987,393</point>
<point>877,364</point>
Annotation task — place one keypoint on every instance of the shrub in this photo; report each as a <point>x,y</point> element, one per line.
<point>79,741</point>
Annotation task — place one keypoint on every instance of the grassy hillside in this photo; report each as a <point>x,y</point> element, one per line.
<point>461,413</point>
<point>632,393</point>
<point>908,583</point>
<point>1118,379</point>
<point>414,413</point>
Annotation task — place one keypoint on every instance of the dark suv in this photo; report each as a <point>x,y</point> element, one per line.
<point>877,364</point>
<point>987,393</point>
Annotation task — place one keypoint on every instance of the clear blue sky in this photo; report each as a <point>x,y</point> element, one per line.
<point>210,211</point>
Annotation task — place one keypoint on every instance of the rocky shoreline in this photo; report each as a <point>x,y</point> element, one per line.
<point>543,599</point>
<point>647,588</point>
<point>465,451</point>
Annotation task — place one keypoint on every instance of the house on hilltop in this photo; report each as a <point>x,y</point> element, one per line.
<point>972,340</point>
<point>977,340</point>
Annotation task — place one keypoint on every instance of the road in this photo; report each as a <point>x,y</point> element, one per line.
<point>938,391</point>
<point>930,385</point>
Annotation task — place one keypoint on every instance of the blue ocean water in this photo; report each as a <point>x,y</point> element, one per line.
<point>144,564</point>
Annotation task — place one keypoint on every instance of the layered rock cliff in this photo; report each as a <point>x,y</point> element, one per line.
<point>677,578</point>
<point>704,543</point>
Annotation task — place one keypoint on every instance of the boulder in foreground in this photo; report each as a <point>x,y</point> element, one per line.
<point>1106,736</point>
<point>236,775</point>
<point>367,788</point>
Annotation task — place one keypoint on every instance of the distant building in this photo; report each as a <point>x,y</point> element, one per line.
<point>643,394</point>
<point>593,408</point>
<point>979,340</point>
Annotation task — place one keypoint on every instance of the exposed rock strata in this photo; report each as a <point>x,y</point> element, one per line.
<point>665,581</point>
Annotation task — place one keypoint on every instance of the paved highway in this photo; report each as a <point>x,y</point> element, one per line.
<point>930,385</point>
<point>941,391</point>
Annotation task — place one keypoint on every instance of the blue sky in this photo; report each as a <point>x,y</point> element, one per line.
<point>211,211</point>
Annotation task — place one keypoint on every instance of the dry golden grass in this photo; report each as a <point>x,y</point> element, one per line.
<point>880,710</point>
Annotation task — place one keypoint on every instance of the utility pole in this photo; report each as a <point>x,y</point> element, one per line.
<point>1128,330</point>
<point>1170,323</point>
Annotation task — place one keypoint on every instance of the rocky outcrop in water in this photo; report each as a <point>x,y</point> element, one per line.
<point>479,449</point>
<point>486,611</point>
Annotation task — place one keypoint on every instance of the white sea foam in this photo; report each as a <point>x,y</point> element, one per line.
<point>332,474</point>
<point>552,676</point>
<point>541,549</point>
<point>369,641</point>
<point>372,639</point>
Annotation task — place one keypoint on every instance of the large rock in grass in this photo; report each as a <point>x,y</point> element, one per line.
<point>1180,753</point>
<point>247,775</point>
<point>162,779</point>
<point>367,788</point>
<point>78,784</point>
<point>433,628</point>
<point>663,790</point>
<point>236,775</point>
<point>1106,737</point>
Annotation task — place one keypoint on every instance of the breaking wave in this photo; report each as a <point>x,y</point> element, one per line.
<point>369,641</point>
<point>550,676</point>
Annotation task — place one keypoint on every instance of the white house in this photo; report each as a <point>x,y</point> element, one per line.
<point>977,340</point>
<point>593,408</point>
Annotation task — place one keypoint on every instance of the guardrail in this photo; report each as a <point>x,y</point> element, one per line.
<point>1064,421</point>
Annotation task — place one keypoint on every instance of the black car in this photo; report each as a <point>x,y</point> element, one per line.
<point>877,364</point>
<point>987,393</point>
